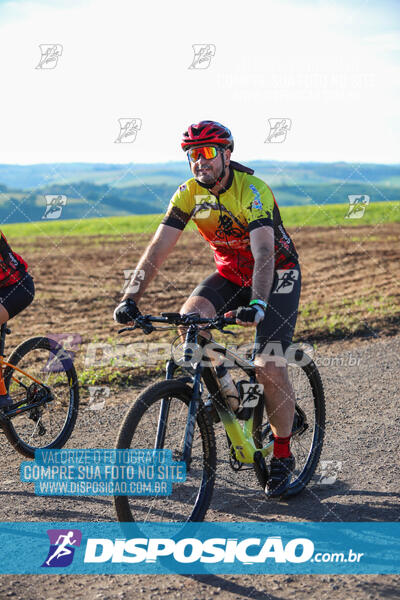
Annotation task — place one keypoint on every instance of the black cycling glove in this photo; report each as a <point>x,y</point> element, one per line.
<point>126,311</point>
<point>250,314</point>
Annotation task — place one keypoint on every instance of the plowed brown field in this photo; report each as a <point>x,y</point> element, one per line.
<point>350,283</point>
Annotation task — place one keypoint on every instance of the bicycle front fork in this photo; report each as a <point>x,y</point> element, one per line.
<point>191,418</point>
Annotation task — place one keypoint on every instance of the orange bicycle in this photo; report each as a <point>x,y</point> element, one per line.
<point>41,381</point>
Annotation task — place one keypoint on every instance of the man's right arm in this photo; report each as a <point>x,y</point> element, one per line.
<point>155,254</point>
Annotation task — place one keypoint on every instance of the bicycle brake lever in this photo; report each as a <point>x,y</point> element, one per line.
<point>219,326</point>
<point>228,331</point>
<point>130,328</point>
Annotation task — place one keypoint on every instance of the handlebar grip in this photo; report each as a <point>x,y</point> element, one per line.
<point>230,320</point>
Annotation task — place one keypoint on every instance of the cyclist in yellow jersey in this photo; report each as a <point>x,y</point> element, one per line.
<point>258,276</point>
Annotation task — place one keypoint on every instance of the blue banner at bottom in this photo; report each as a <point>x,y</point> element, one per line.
<point>200,548</point>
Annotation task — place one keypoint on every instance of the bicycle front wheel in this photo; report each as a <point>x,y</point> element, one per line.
<point>50,424</point>
<point>191,498</point>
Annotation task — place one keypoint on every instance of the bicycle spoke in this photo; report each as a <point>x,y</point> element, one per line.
<point>50,422</point>
<point>179,505</point>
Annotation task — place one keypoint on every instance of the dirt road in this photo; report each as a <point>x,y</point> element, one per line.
<point>361,445</point>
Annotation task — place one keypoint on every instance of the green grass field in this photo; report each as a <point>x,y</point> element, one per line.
<point>330,215</point>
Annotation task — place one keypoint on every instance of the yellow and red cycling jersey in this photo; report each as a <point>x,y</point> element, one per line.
<point>225,222</point>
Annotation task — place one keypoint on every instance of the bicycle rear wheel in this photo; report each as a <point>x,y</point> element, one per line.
<point>308,426</point>
<point>51,424</point>
<point>190,499</point>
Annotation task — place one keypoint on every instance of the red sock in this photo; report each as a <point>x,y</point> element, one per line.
<point>282,446</point>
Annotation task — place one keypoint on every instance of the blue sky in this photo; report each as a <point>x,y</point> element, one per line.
<point>330,67</point>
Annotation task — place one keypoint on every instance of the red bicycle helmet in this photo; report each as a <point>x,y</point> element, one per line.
<point>207,132</point>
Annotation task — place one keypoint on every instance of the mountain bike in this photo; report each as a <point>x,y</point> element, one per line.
<point>180,413</point>
<point>42,383</point>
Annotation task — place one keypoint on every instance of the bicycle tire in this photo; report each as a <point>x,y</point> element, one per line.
<point>71,403</point>
<point>303,477</point>
<point>135,422</point>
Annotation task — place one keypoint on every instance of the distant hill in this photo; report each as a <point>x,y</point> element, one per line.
<point>25,177</point>
<point>95,190</point>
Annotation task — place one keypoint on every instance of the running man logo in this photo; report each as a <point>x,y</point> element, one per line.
<point>287,279</point>
<point>98,396</point>
<point>132,280</point>
<point>251,393</point>
<point>50,53</point>
<point>54,206</point>
<point>278,130</point>
<point>128,129</point>
<point>204,204</point>
<point>203,54</point>
<point>62,547</point>
<point>62,358</point>
<point>330,470</point>
<point>357,205</point>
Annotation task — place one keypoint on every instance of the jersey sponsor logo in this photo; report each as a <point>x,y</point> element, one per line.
<point>226,228</point>
<point>257,204</point>
<point>13,260</point>
<point>284,236</point>
<point>283,243</point>
<point>241,244</point>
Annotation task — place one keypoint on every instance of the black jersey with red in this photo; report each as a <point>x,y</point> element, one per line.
<point>12,265</point>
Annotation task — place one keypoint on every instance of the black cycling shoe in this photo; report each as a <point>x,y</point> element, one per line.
<point>280,475</point>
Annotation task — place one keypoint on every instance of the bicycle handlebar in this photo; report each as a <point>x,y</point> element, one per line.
<point>144,322</point>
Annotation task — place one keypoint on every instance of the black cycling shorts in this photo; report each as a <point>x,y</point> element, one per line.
<point>17,296</point>
<point>281,314</point>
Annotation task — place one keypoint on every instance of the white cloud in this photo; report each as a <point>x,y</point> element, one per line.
<point>316,63</point>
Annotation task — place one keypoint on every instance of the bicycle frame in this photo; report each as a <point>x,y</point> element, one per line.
<point>241,437</point>
<point>15,409</point>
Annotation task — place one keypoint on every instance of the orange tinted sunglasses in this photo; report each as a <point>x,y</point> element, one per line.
<point>207,152</point>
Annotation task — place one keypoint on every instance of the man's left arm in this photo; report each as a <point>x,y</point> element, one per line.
<point>262,248</point>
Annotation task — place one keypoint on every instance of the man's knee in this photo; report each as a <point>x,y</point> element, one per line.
<point>271,373</point>
<point>198,304</point>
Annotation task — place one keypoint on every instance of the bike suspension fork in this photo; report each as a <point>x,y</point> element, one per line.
<point>164,409</point>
